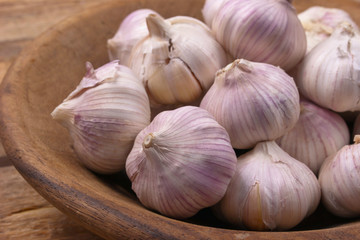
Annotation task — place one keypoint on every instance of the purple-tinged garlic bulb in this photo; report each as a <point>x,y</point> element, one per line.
<point>209,10</point>
<point>182,162</point>
<point>339,179</point>
<point>329,74</point>
<point>320,22</point>
<point>253,101</point>
<point>317,134</point>
<point>177,62</point>
<point>261,31</point>
<point>269,191</point>
<point>103,115</point>
<point>132,29</point>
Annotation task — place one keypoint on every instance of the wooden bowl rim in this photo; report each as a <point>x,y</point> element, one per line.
<point>18,147</point>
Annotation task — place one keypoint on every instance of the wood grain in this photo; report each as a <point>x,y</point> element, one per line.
<point>23,20</point>
<point>41,149</point>
<point>24,214</point>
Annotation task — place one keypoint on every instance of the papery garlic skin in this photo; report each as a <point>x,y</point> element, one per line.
<point>320,22</point>
<point>269,191</point>
<point>253,101</point>
<point>178,61</point>
<point>339,179</point>
<point>103,115</point>
<point>317,134</point>
<point>132,29</point>
<point>182,162</point>
<point>261,31</point>
<point>329,74</point>
<point>209,10</point>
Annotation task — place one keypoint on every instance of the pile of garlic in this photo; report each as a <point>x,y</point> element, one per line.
<point>179,96</point>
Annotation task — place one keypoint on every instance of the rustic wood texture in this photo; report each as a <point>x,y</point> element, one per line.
<point>24,214</point>
<point>23,20</point>
<point>46,71</point>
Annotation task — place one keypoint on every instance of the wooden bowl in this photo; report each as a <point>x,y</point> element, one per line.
<point>46,72</point>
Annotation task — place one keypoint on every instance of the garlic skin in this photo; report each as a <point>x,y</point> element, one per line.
<point>132,29</point>
<point>339,179</point>
<point>269,191</point>
<point>253,101</point>
<point>173,66</point>
<point>182,162</point>
<point>317,134</point>
<point>320,22</point>
<point>209,10</point>
<point>103,115</point>
<point>330,74</point>
<point>244,30</point>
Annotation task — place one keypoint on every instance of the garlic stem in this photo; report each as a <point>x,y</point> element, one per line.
<point>148,141</point>
<point>157,26</point>
<point>357,139</point>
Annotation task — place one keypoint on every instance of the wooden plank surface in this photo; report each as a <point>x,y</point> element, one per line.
<point>23,20</point>
<point>24,214</point>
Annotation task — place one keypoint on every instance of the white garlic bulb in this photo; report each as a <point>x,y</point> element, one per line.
<point>182,162</point>
<point>178,60</point>
<point>103,115</point>
<point>270,190</point>
<point>317,134</point>
<point>253,101</point>
<point>339,179</point>
<point>329,74</point>
<point>261,31</point>
<point>319,23</point>
<point>132,29</point>
<point>210,8</point>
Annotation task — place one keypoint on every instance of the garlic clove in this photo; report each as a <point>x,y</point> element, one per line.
<point>103,116</point>
<point>320,22</point>
<point>318,134</point>
<point>329,75</point>
<point>171,56</point>
<point>182,162</point>
<point>244,30</point>
<point>269,191</point>
<point>253,101</point>
<point>180,86</point>
<point>339,179</point>
<point>131,30</point>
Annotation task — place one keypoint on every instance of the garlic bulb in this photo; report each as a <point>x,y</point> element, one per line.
<point>132,29</point>
<point>253,101</point>
<point>270,190</point>
<point>330,74</point>
<point>339,179</point>
<point>318,134</point>
<point>261,31</point>
<point>320,22</point>
<point>209,10</point>
<point>103,116</point>
<point>178,60</point>
<point>182,162</point>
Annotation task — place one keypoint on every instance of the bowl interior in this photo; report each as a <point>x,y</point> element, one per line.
<point>41,149</point>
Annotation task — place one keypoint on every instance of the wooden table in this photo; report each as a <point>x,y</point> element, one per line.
<point>24,214</point>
